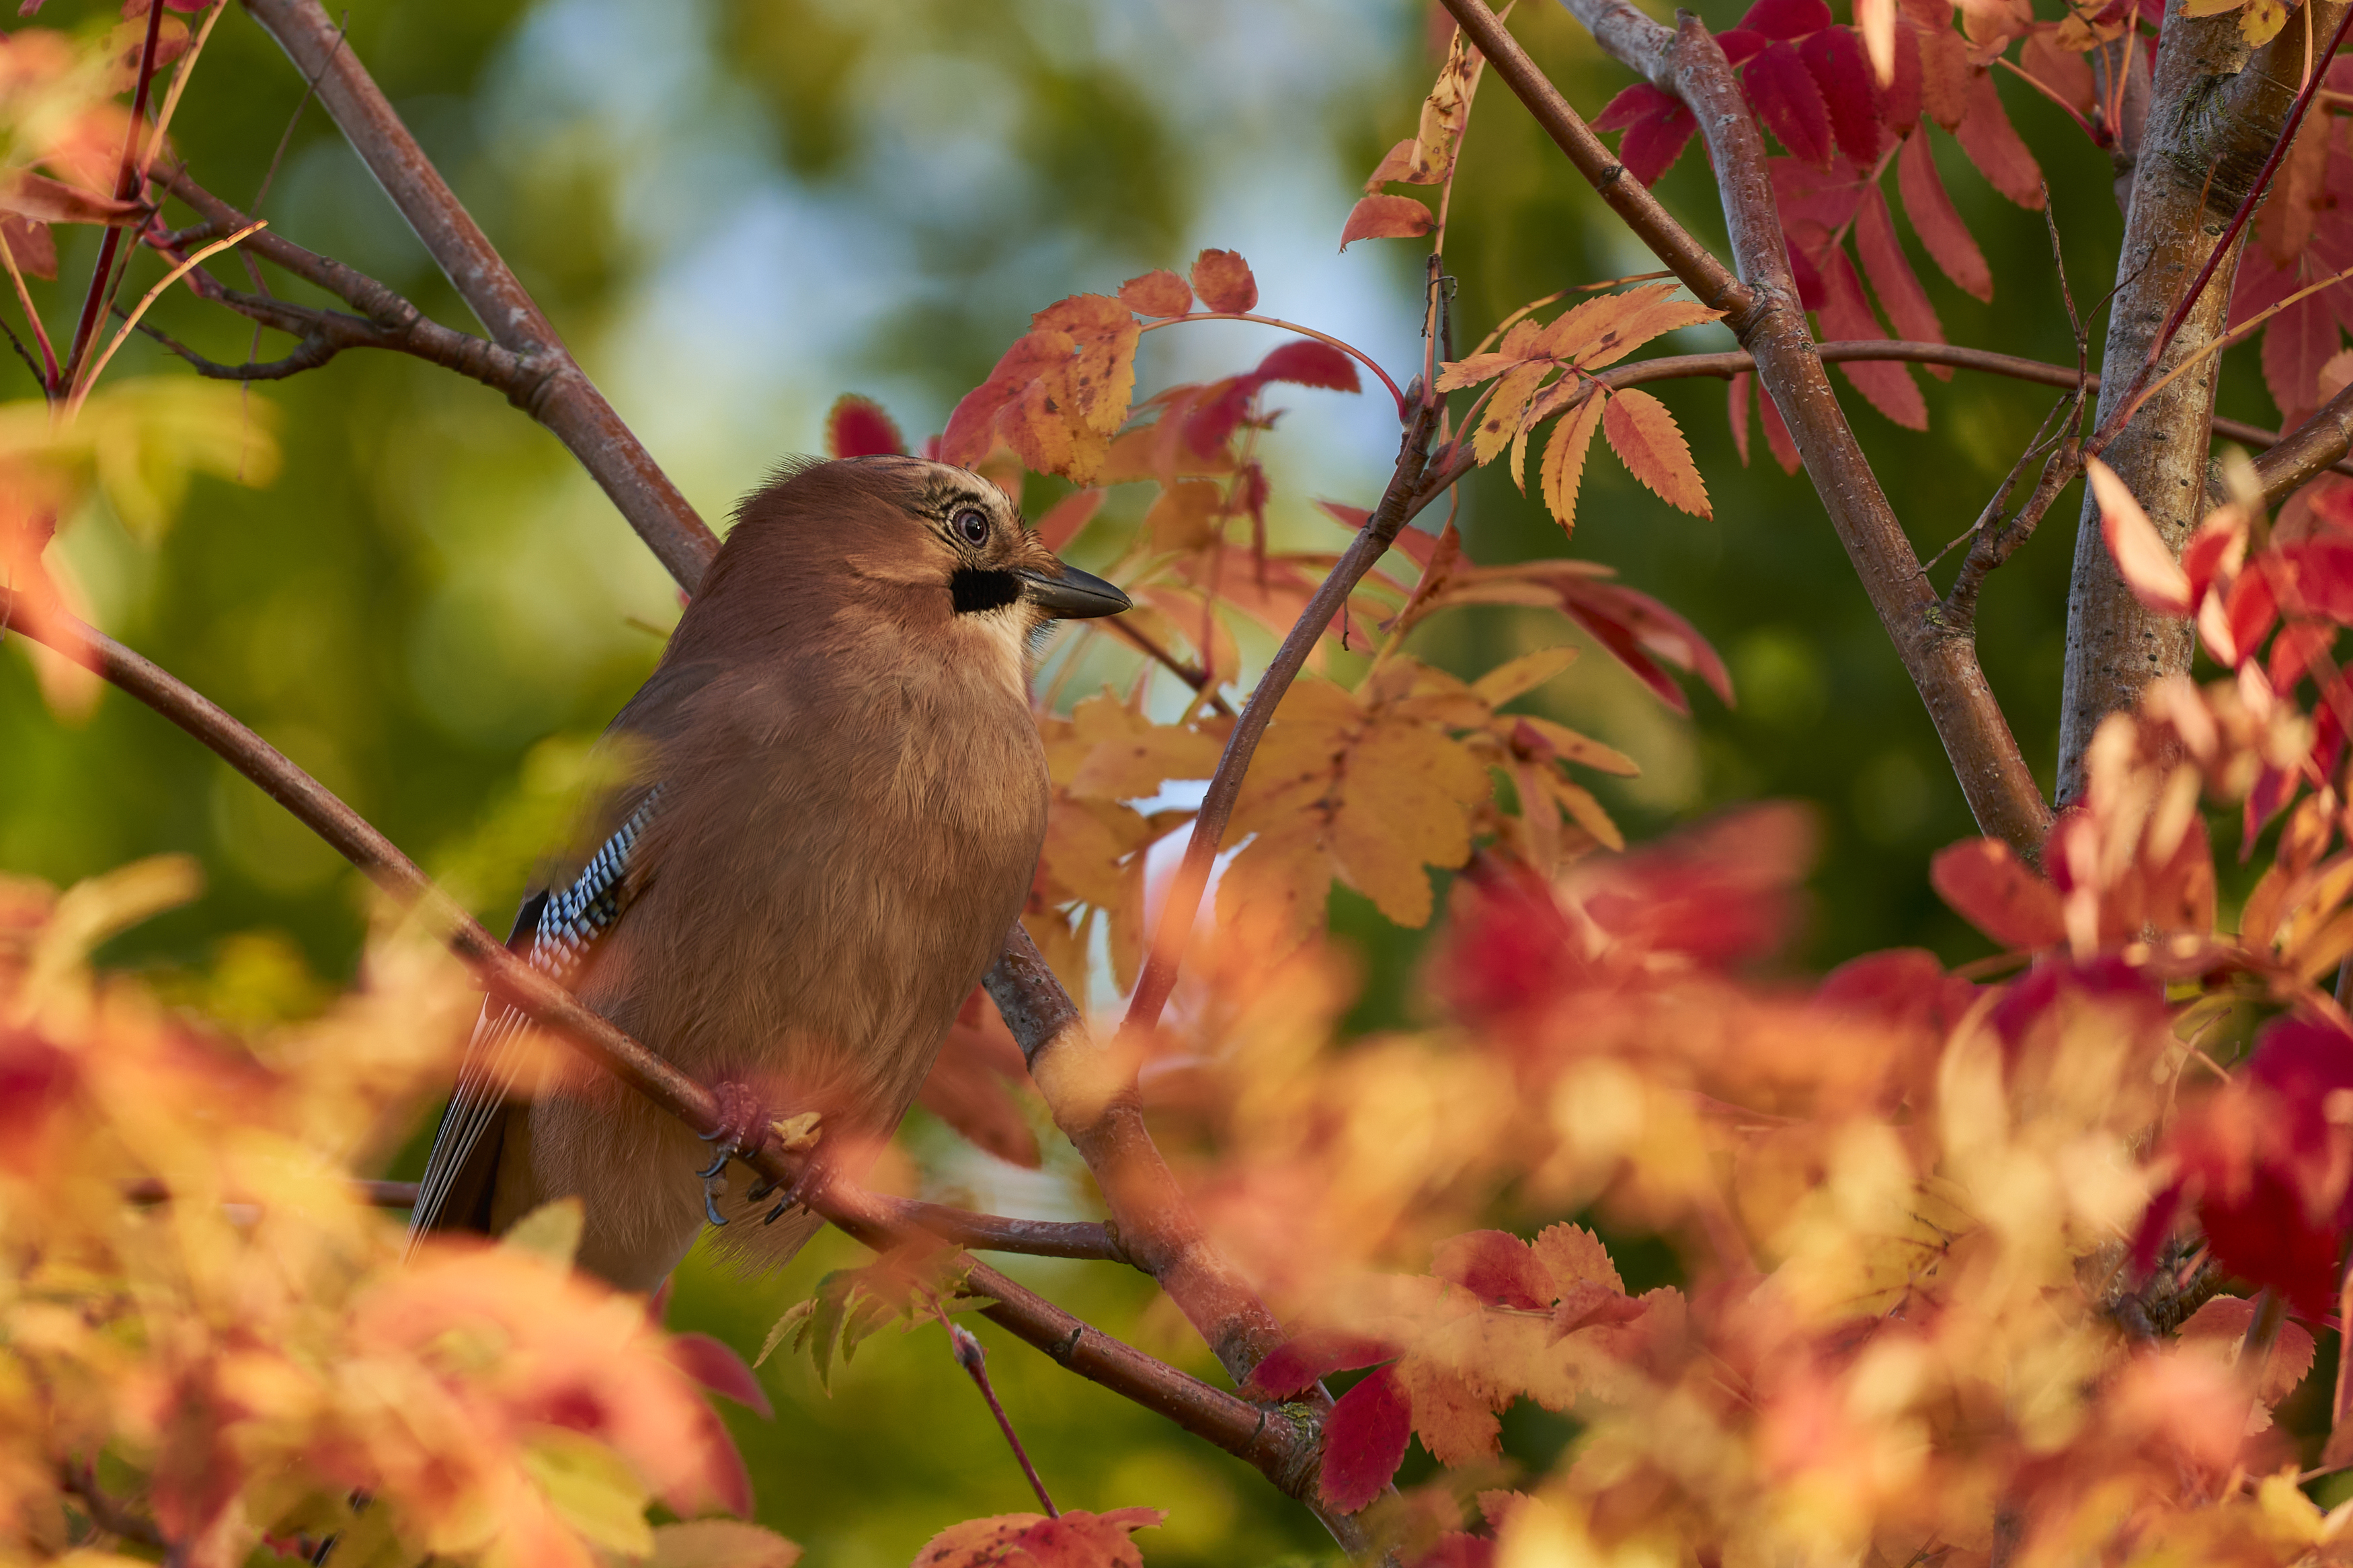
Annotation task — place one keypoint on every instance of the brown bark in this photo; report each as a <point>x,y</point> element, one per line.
<point>2214,116</point>
<point>1993,775</point>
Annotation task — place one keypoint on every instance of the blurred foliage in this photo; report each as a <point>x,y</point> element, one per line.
<point>432,611</point>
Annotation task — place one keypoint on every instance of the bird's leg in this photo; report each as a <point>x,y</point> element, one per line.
<point>741,1127</point>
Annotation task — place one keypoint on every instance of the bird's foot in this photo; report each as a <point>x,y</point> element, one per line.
<point>741,1128</point>
<point>796,1135</point>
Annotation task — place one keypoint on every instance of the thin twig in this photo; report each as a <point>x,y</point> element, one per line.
<point>108,1513</point>
<point>1354,353</point>
<point>1195,678</point>
<point>974,1362</point>
<point>126,185</point>
<point>1771,323</point>
<point>1231,1423</point>
<point>98,362</point>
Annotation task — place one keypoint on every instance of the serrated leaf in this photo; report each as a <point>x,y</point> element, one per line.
<point>721,1543</point>
<point>1223,280</point>
<point>1508,408</point>
<point>1564,459</point>
<point>1159,292</point>
<point>1647,439</point>
<point>1386,217</point>
<point>1522,675</point>
<point>1363,1441</point>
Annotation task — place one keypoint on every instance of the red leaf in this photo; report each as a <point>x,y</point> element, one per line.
<point>718,1368</point>
<point>1496,1266</point>
<point>1784,95</point>
<point>1310,364</point>
<point>1626,622</point>
<point>2297,343</point>
<point>1639,102</point>
<point>857,426</point>
<point>1222,278</point>
<point>1936,223</point>
<point>2147,565</point>
<point>1835,58</point>
<point>1846,314</point>
<point>1066,517</point>
<point>1787,18</point>
<point>1350,517</point>
<point>1944,71</point>
<point>1736,407</point>
<point>1386,217</point>
<point>1989,887</point>
<point>1899,101</point>
<point>1777,434</point>
<point>1306,1358</point>
<point>1802,270</point>
<point>1075,1540</point>
<point>1363,1441</point>
<point>1893,279</point>
<point>31,244</point>
<point>1992,143</point>
<point>1740,44</point>
<point>1159,292</point>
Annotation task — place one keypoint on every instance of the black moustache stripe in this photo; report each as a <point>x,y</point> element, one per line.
<point>977,588</point>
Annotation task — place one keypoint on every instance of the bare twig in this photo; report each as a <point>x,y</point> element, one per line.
<point>974,1362</point>
<point>2314,448</point>
<point>1985,755</point>
<point>1191,675</point>
<point>2215,117</point>
<point>566,401</point>
<point>1242,1428</point>
<point>108,1513</point>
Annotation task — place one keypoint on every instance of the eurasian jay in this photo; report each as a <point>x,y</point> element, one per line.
<point>832,798</point>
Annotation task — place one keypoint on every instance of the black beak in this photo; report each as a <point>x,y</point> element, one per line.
<point>1075,595</point>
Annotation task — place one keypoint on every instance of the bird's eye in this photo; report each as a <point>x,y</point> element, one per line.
<point>973,525</point>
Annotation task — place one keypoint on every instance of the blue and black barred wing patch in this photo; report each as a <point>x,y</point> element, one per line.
<point>569,925</point>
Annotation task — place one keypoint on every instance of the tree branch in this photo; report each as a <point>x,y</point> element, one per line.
<point>566,402</point>
<point>1284,1453</point>
<point>2214,118</point>
<point>1201,1285</point>
<point>2315,448</point>
<point>1993,773</point>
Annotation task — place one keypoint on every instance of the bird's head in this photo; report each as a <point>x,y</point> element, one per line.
<point>924,542</point>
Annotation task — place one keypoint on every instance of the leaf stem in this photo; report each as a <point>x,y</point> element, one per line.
<point>1354,353</point>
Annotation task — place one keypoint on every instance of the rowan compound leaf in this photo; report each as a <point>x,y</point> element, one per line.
<point>1658,128</point>
<point>1845,313</point>
<point>2297,341</point>
<point>1062,520</point>
<point>1786,98</point>
<point>1572,1255</point>
<point>1539,736</point>
<point>1835,58</point>
<point>1585,810</point>
<point>1309,1357</point>
<point>2146,564</point>
<point>1522,675</point>
<point>1363,1441</point>
<point>858,426</point>
<point>1786,19</point>
<point>1159,292</point>
<point>1892,278</point>
<point>1993,144</point>
<point>1076,1539</point>
<point>1386,217</point>
<point>1632,625</point>
<point>1989,887</point>
<point>721,1543</point>
<point>1564,457</point>
<point>1649,442</point>
<point>1308,363</point>
<point>1222,279</point>
<point>1507,410</point>
<point>1496,1266</point>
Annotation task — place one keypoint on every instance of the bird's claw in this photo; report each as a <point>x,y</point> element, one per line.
<point>739,1129</point>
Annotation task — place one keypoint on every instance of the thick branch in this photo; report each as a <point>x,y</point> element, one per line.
<point>2214,117</point>
<point>1274,1446</point>
<point>566,402</point>
<point>1993,773</point>
<point>2313,448</point>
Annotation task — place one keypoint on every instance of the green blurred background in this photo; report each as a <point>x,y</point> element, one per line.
<point>736,209</point>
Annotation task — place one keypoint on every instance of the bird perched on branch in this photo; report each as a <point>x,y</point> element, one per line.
<point>831,800</point>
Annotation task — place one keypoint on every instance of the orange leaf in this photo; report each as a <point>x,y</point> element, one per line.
<point>1647,440</point>
<point>1988,886</point>
<point>1386,217</point>
<point>2149,568</point>
<point>1222,278</point>
<point>1066,517</point>
<point>1159,292</point>
<point>1076,1539</point>
<point>1564,457</point>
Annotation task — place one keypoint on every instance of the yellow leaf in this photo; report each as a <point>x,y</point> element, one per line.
<point>1570,746</point>
<point>1283,876</point>
<point>1505,410</point>
<point>590,1489</point>
<point>1402,805</point>
<point>1185,515</point>
<point>1523,675</point>
<point>550,1233</point>
<point>2261,22</point>
<point>1564,459</point>
<point>1584,810</point>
